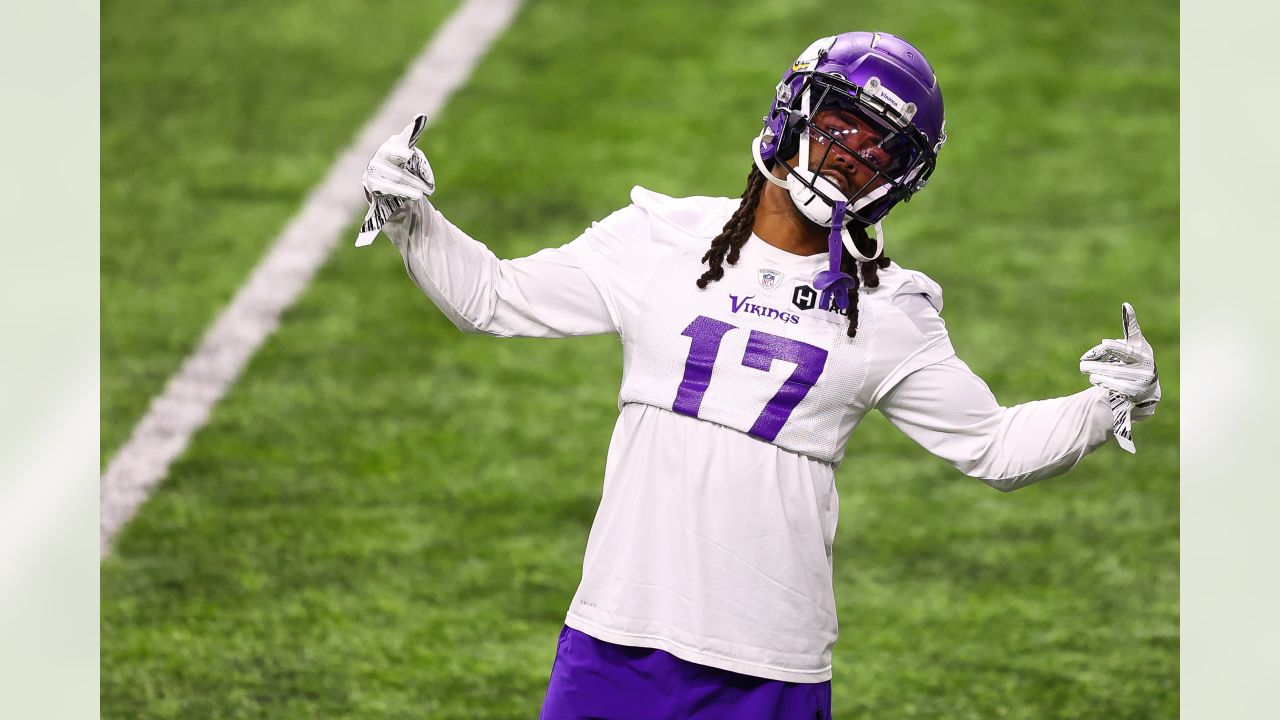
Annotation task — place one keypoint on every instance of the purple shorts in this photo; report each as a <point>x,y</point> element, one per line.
<point>599,680</point>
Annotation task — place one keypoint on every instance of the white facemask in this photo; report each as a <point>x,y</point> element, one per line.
<point>812,205</point>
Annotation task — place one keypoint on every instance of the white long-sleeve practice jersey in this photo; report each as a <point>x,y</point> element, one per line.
<point>714,533</point>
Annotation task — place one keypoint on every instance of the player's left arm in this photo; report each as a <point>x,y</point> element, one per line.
<point>556,292</point>
<point>949,410</point>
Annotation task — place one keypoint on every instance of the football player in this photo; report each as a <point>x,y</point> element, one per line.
<point>756,333</point>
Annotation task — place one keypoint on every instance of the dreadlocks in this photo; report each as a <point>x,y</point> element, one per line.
<point>727,246</point>
<point>735,233</point>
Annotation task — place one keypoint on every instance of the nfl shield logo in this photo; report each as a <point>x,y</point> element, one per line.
<point>769,279</point>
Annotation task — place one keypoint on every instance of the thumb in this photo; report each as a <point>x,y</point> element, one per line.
<point>1132,332</point>
<point>409,136</point>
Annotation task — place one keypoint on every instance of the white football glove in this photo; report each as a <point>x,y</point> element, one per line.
<point>1127,370</point>
<point>398,174</point>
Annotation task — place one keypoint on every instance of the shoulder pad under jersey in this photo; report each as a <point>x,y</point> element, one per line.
<point>698,217</point>
<point>896,280</point>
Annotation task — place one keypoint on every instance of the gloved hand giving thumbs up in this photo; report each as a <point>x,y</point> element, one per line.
<point>397,174</point>
<point>1127,370</point>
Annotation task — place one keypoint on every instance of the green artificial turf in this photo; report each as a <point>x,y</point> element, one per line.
<point>217,118</point>
<point>386,518</point>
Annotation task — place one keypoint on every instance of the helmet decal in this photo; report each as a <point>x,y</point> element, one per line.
<point>811,54</point>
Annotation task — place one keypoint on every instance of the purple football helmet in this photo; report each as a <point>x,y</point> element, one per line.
<point>894,128</point>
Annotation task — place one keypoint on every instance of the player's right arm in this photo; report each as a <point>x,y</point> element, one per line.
<point>552,293</point>
<point>547,294</point>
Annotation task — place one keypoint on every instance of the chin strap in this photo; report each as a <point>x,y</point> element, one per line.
<point>832,283</point>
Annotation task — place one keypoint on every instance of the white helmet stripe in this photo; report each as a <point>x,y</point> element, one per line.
<point>804,136</point>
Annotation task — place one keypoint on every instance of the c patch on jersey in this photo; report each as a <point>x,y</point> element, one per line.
<point>769,279</point>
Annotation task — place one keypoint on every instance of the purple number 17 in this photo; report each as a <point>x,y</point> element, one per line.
<point>762,349</point>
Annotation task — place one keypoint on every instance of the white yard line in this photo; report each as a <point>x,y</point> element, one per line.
<point>295,255</point>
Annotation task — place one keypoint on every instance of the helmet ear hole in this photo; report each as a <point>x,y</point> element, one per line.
<point>788,145</point>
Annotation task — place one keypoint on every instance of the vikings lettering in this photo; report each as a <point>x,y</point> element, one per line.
<point>750,308</point>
